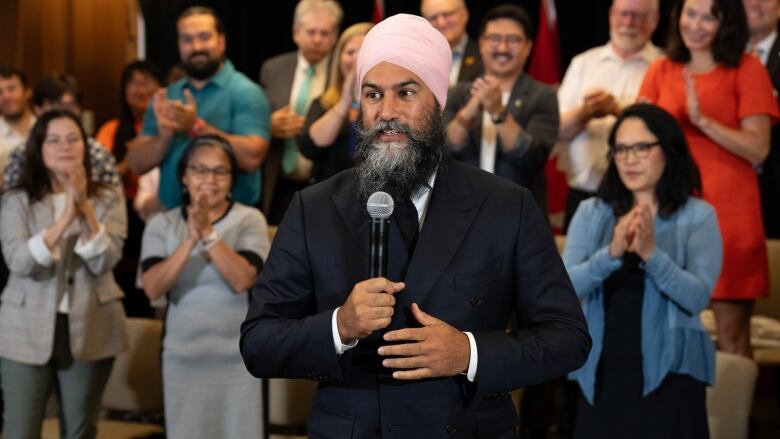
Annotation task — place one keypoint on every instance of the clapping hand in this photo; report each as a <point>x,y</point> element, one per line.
<point>198,224</point>
<point>643,232</point>
<point>598,103</point>
<point>173,115</point>
<point>286,123</point>
<point>692,99</point>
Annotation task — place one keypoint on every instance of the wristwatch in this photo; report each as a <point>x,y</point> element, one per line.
<point>211,240</point>
<point>500,117</point>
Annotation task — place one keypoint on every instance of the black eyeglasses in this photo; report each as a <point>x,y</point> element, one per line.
<point>641,150</point>
<point>496,39</point>
<point>201,171</point>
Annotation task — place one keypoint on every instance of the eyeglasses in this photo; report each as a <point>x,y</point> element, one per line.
<point>496,39</point>
<point>641,150</point>
<point>201,171</point>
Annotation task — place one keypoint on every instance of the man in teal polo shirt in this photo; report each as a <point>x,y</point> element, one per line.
<point>212,99</point>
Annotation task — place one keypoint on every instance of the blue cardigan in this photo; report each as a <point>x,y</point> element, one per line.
<point>679,279</point>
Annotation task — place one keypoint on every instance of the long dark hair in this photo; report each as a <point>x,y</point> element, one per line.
<point>206,141</point>
<point>729,42</point>
<point>680,178</point>
<point>126,129</point>
<point>34,177</point>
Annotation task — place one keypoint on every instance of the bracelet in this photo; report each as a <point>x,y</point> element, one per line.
<point>210,241</point>
<point>197,128</point>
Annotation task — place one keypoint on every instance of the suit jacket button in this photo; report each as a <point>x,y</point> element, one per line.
<point>451,429</point>
<point>475,301</point>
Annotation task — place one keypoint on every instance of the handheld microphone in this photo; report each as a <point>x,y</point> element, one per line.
<point>380,207</point>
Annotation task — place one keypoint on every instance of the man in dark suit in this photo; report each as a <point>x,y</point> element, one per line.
<point>505,122</point>
<point>762,20</point>
<point>293,80</point>
<point>423,352</point>
<point>450,17</point>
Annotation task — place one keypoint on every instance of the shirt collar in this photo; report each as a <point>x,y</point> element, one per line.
<point>318,68</point>
<point>461,46</point>
<point>648,53</point>
<point>765,46</point>
<point>221,77</point>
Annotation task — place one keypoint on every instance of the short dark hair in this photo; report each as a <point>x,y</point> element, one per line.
<point>680,178</point>
<point>512,12</point>
<point>34,177</point>
<point>206,141</point>
<point>203,10</point>
<point>729,42</point>
<point>53,86</point>
<point>9,72</point>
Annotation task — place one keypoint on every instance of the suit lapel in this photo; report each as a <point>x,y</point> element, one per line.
<point>354,216</point>
<point>451,211</point>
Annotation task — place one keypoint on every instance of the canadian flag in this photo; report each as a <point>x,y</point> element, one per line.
<point>546,67</point>
<point>379,11</point>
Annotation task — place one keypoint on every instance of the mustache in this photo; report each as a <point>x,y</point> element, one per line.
<point>198,53</point>
<point>387,125</point>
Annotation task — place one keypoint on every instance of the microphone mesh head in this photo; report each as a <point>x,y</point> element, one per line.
<point>380,205</point>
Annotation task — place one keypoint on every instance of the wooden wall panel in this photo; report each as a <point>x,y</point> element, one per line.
<point>90,39</point>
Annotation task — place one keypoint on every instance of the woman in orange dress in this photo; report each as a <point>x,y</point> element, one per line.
<point>724,102</point>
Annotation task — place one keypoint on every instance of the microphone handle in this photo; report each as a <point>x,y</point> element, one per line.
<point>377,262</point>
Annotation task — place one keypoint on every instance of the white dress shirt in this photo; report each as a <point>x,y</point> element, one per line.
<point>584,158</point>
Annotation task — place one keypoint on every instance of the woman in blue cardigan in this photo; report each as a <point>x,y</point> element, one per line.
<point>644,256</point>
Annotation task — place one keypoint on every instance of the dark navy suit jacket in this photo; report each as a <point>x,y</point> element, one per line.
<point>484,255</point>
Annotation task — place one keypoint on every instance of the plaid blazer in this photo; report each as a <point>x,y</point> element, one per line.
<point>33,292</point>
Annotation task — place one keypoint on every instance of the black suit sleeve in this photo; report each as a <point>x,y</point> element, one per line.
<point>550,336</point>
<point>284,335</point>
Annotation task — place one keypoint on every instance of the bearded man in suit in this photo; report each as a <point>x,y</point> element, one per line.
<point>424,351</point>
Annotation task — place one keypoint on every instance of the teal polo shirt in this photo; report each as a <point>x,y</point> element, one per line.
<point>230,102</point>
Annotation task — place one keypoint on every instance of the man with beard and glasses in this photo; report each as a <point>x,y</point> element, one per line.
<point>213,98</point>
<point>598,84</point>
<point>505,122</point>
<point>424,351</point>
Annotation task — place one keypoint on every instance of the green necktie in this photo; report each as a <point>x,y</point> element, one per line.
<point>290,158</point>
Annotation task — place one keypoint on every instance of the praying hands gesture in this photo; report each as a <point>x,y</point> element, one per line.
<point>198,223</point>
<point>485,95</point>
<point>692,100</point>
<point>634,233</point>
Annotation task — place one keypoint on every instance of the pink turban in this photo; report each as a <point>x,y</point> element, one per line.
<point>408,41</point>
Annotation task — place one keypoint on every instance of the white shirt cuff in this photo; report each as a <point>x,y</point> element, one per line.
<point>95,246</point>
<point>41,253</point>
<point>471,373</point>
<point>340,347</point>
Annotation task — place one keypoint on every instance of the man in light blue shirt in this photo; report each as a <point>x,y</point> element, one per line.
<point>213,98</point>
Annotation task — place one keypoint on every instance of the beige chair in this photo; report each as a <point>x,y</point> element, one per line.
<point>134,386</point>
<point>289,405</point>
<point>729,402</point>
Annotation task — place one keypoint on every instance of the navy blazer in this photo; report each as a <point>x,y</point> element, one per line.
<point>485,254</point>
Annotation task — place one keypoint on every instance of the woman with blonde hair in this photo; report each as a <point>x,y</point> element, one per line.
<point>328,137</point>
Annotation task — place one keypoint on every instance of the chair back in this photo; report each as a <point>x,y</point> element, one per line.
<point>729,402</point>
<point>135,383</point>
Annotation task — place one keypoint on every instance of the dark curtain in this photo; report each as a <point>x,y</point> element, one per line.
<point>257,31</point>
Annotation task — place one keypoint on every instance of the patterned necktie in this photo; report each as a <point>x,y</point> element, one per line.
<point>408,222</point>
<point>290,157</point>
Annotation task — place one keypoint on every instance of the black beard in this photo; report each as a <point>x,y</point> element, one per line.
<point>401,171</point>
<point>204,71</point>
